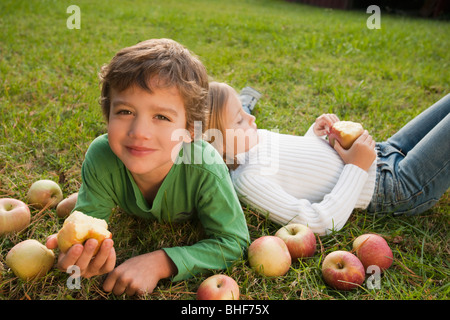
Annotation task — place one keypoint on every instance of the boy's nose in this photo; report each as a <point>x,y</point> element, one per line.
<point>140,129</point>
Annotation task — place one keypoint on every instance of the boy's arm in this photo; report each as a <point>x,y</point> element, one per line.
<point>95,200</point>
<point>224,223</point>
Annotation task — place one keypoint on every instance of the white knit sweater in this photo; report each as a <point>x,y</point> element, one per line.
<point>301,179</point>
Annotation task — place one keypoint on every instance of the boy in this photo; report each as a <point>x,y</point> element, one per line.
<point>151,95</point>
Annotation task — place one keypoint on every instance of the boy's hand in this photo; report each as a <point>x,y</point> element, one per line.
<point>83,257</point>
<point>140,274</point>
<point>361,153</point>
<point>324,123</point>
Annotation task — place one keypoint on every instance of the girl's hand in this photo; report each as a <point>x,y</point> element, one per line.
<point>324,123</point>
<point>361,153</point>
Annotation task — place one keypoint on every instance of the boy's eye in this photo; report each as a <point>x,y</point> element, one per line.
<point>161,117</point>
<point>124,112</point>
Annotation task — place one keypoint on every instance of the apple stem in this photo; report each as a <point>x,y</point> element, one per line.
<point>340,266</point>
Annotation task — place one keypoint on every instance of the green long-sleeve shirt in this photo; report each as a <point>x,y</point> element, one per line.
<point>195,187</point>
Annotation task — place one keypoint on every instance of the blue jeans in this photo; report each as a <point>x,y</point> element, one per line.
<point>413,165</point>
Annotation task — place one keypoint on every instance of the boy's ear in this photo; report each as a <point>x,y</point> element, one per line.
<point>189,135</point>
<point>187,138</point>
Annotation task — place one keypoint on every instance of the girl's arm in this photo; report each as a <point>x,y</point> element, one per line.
<point>330,214</point>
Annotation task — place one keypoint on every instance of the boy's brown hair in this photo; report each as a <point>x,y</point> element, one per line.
<point>171,63</point>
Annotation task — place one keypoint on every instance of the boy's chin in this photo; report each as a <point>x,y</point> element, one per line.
<point>143,170</point>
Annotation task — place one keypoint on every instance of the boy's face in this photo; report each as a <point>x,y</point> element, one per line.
<point>140,129</point>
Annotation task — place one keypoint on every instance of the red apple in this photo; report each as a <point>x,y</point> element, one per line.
<point>342,270</point>
<point>372,249</point>
<point>218,287</point>
<point>299,239</point>
<point>346,132</point>
<point>14,215</point>
<point>30,259</point>
<point>44,193</point>
<point>65,207</point>
<point>269,256</point>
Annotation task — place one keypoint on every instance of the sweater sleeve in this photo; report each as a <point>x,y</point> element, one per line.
<point>330,214</point>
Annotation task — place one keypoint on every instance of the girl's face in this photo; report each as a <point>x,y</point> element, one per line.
<point>241,131</point>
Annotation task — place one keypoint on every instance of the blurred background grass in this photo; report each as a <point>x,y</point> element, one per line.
<point>305,60</point>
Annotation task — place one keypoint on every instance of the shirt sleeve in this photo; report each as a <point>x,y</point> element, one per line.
<point>227,237</point>
<point>330,214</point>
<point>96,190</point>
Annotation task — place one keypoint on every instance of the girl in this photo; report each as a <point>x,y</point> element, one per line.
<point>302,179</point>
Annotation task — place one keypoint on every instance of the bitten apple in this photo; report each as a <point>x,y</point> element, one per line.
<point>65,207</point>
<point>299,239</point>
<point>342,270</point>
<point>218,287</point>
<point>346,132</point>
<point>79,227</point>
<point>30,259</point>
<point>372,249</point>
<point>14,215</point>
<point>44,193</point>
<point>269,256</point>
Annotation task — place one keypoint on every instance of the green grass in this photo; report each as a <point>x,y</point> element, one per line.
<point>305,61</point>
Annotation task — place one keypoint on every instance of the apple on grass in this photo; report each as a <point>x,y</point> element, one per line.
<point>30,259</point>
<point>14,215</point>
<point>79,227</point>
<point>65,207</point>
<point>372,249</point>
<point>299,239</point>
<point>269,256</point>
<point>342,270</point>
<point>345,132</point>
<point>44,193</point>
<point>218,287</point>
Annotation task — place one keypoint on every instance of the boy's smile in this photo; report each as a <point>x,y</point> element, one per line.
<point>140,131</point>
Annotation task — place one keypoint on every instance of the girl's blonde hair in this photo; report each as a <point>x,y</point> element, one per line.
<point>218,96</point>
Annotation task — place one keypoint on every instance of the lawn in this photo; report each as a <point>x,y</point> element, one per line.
<point>305,60</point>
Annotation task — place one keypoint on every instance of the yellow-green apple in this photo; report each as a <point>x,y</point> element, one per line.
<point>299,239</point>
<point>14,215</point>
<point>218,287</point>
<point>269,256</point>
<point>78,227</point>
<point>44,193</point>
<point>372,249</point>
<point>342,270</point>
<point>345,132</point>
<point>30,259</point>
<point>65,207</point>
